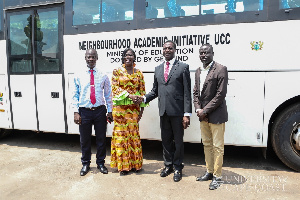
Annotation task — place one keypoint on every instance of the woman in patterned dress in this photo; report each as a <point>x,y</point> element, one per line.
<point>127,83</point>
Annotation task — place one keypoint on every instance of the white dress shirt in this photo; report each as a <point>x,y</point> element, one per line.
<point>203,74</point>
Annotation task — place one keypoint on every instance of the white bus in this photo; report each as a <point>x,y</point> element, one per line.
<point>42,45</point>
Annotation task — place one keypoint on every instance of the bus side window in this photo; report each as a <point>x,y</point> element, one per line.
<point>1,14</point>
<point>253,5</point>
<point>151,12</point>
<point>118,10</point>
<point>231,6</point>
<point>86,12</point>
<point>109,13</point>
<point>171,8</point>
<point>176,8</point>
<point>289,4</point>
<point>81,18</point>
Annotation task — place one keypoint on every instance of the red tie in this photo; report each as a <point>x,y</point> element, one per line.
<point>167,71</point>
<point>93,97</point>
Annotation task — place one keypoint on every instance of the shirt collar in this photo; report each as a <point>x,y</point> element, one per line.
<point>95,69</point>
<point>208,67</point>
<point>170,61</point>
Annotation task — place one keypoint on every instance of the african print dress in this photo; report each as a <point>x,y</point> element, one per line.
<point>126,148</point>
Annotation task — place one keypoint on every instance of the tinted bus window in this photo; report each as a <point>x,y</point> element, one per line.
<point>1,16</point>
<point>119,10</point>
<point>289,4</point>
<point>230,6</point>
<point>26,2</point>
<point>101,11</point>
<point>47,41</point>
<point>175,8</point>
<point>20,43</point>
<point>171,8</point>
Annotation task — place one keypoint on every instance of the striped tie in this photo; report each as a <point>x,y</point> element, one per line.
<point>92,84</point>
<point>167,71</point>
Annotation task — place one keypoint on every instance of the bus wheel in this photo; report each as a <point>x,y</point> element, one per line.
<point>4,132</point>
<point>286,137</point>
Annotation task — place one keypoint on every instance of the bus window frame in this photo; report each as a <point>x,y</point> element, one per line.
<point>2,21</point>
<point>140,22</point>
<point>270,12</point>
<point>14,4</point>
<point>208,19</point>
<point>8,47</point>
<point>60,38</point>
<point>277,14</point>
<point>61,58</point>
<point>127,25</point>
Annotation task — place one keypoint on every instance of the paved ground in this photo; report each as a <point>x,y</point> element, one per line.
<point>46,166</point>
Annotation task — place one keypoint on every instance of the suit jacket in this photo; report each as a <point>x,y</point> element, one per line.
<point>212,97</point>
<point>174,96</point>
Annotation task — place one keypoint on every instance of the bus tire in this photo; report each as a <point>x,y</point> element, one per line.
<point>285,136</point>
<point>4,132</point>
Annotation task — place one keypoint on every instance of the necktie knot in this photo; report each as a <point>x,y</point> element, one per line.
<point>168,63</point>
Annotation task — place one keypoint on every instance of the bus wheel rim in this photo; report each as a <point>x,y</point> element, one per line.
<point>295,139</point>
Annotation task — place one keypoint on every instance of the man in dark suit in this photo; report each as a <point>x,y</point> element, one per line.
<point>209,100</point>
<point>172,86</point>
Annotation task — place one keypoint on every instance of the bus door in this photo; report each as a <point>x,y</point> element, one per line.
<point>34,50</point>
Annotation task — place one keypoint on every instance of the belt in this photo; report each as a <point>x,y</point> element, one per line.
<point>95,108</point>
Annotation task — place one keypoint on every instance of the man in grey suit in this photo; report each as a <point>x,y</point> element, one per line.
<point>172,86</point>
<point>209,100</point>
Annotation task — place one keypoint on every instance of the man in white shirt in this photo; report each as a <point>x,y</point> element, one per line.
<point>92,99</point>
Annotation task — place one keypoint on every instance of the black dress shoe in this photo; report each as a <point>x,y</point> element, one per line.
<point>135,170</point>
<point>84,170</point>
<point>166,171</point>
<point>177,175</point>
<point>102,169</point>
<point>123,173</point>
<point>207,176</point>
<point>215,183</point>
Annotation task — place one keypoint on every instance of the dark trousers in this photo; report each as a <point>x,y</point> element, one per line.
<point>172,140</point>
<point>98,119</point>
